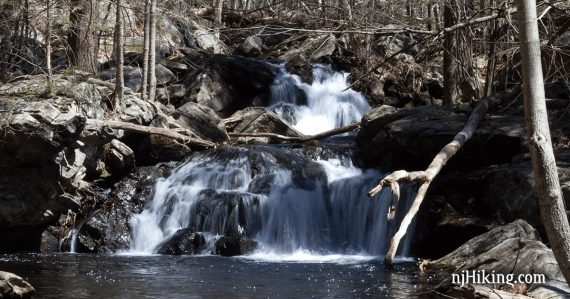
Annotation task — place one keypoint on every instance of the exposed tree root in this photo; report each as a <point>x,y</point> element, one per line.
<point>426,177</point>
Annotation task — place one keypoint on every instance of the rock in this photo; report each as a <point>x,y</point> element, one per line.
<point>171,94</point>
<point>184,241</point>
<point>410,138</point>
<point>221,87</point>
<point>198,36</point>
<point>312,50</point>
<point>399,42</point>
<point>49,243</point>
<point>132,76</point>
<point>120,158</point>
<point>457,204</point>
<point>252,46</point>
<point>259,120</point>
<point>302,69</point>
<point>201,120</point>
<point>234,245</point>
<point>13,286</point>
<point>510,249</point>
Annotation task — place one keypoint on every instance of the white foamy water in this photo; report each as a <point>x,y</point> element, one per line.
<point>297,210</point>
<point>329,104</point>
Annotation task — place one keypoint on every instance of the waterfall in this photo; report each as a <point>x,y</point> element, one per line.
<point>286,202</point>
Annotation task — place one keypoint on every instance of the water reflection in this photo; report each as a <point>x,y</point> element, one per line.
<point>103,276</point>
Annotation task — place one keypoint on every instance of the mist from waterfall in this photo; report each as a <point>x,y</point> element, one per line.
<point>294,207</point>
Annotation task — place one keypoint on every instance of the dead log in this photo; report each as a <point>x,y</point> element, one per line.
<point>426,177</point>
<point>322,135</point>
<point>170,133</point>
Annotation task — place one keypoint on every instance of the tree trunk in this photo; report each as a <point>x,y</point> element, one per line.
<point>547,186</point>
<point>144,89</point>
<point>82,37</point>
<point>218,7</point>
<point>119,58</point>
<point>459,76</point>
<point>48,47</point>
<point>152,53</point>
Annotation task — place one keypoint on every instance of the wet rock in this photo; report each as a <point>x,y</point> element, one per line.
<point>107,229</point>
<point>13,286</point>
<point>252,46</point>
<point>154,149</point>
<point>234,245</point>
<point>184,241</point>
<point>221,85</point>
<point>201,120</point>
<point>312,49</point>
<point>302,69</point>
<point>198,36</point>
<point>511,249</point>
<point>49,243</point>
<point>259,120</point>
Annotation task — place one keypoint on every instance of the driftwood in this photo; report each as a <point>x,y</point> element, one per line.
<point>322,135</point>
<point>426,177</point>
<point>170,133</point>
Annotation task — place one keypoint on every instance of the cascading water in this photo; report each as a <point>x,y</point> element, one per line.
<point>288,203</point>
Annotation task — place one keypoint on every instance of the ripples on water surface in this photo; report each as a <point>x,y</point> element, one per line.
<point>105,276</point>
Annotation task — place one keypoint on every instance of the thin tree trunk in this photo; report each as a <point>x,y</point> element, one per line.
<point>550,200</point>
<point>48,48</point>
<point>218,7</point>
<point>144,89</point>
<point>119,58</point>
<point>152,53</point>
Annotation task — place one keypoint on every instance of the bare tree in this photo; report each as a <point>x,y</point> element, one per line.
<point>144,89</point>
<point>218,7</point>
<point>119,58</point>
<point>48,47</point>
<point>152,52</point>
<point>550,200</point>
<point>82,37</point>
<point>460,82</point>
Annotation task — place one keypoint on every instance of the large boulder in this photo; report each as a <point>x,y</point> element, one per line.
<point>13,286</point>
<point>461,205</point>
<point>410,138</point>
<point>184,241</point>
<point>234,245</point>
<point>201,120</point>
<point>312,49</point>
<point>222,87</point>
<point>260,120</point>
<point>511,249</point>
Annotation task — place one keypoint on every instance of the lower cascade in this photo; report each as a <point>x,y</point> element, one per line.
<point>270,200</point>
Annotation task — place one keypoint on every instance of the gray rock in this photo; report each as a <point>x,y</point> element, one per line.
<point>221,85</point>
<point>312,49</point>
<point>510,249</point>
<point>13,286</point>
<point>252,46</point>
<point>408,138</point>
<point>259,120</point>
<point>201,120</point>
<point>394,44</point>
<point>184,241</point>
<point>120,158</point>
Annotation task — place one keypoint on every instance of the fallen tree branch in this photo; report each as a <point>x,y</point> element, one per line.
<point>426,177</point>
<point>170,133</point>
<point>322,135</point>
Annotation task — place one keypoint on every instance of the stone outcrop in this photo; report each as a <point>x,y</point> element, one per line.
<point>13,286</point>
<point>511,249</point>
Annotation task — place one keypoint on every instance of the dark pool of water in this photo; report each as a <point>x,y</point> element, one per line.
<point>106,276</point>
